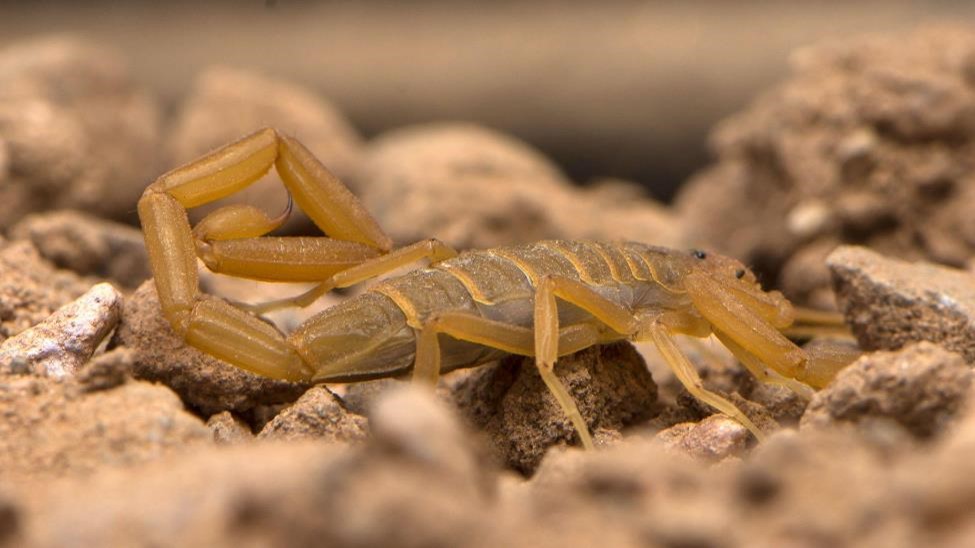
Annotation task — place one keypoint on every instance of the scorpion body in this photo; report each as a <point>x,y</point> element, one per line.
<point>545,299</point>
<point>496,284</point>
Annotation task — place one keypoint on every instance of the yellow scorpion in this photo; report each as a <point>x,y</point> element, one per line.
<point>544,299</point>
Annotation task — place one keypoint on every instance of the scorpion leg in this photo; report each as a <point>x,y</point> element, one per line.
<point>509,338</point>
<point>432,249</point>
<point>685,372</point>
<point>547,331</point>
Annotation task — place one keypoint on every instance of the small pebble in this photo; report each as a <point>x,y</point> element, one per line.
<point>59,346</point>
<point>316,415</point>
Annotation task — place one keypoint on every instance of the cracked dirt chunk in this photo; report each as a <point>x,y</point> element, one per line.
<point>890,303</point>
<point>229,429</point>
<point>30,288</point>
<point>59,346</point>
<point>316,415</point>
<point>51,428</point>
<point>79,132</point>
<point>713,439</point>
<point>868,142</point>
<point>397,489</point>
<point>474,187</point>
<point>205,383</point>
<point>509,401</point>
<point>87,245</point>
<point>921,387</point>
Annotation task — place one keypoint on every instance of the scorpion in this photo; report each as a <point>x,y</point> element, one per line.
<point>546,299</point>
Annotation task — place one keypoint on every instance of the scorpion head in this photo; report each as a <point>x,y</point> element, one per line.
<point>737,281</point>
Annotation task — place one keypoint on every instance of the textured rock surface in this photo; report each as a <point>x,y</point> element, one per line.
<point>205,383</point>
<point>889,303</point>
<point>30,288</point>
<point>316,415</point>
<point>869,142</point>
<point>78,132</point>
<point>53,429</point>
<point>713,439</point>
<point>87,245</point>
<point>227,103</point>
<point>228,429</point>
<point>921,387</point>
<point>610,384</point>
<point>474,188</point>
<point>60,345</point>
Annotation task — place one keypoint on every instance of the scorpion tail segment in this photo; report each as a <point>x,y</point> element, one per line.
<point>325,199</point>
<point>169,244</point>
<point>222,172</point>
<point>750,325</point>
<point>689,378</point>
<point>243,341</point>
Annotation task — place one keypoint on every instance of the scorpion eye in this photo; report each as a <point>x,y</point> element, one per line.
<point>698,254</point>
<point>740,273</point>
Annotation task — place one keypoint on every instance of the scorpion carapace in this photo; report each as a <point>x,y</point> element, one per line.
<point>544,299</point>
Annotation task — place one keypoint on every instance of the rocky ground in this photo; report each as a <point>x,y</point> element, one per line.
<point>848,187</point>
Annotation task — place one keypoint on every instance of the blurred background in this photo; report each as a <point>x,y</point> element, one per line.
<point>621,89</point>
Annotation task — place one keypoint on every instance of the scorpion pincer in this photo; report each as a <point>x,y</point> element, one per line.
<point>545,299</point>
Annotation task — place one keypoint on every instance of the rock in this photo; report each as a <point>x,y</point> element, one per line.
<point>30,288</point>
<point>610,384</point>
<point>890,303</point>
<point>106,371</point>
<point>78,132</point>
<point>474,188</point>
<point>867,143</point>
<point>714,439</point>
<point>87,245</point>
<point>205,383</point>
<point>53,429</point>
<point>63,343</point>
<point>316,415</point>
<point>921,387</point>
<point>227,103</point>
<point>228,429</point>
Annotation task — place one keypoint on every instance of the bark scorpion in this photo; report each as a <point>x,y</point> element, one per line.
<point>544,299</point>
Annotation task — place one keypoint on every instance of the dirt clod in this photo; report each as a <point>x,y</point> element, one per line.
<point>890,303</point>
<point>316,415</point>
<point>30,288</point>
<point>79,133</point>
<point>229,429</point>
<point>713,439</point>
<point>87,245</point>
<point>921,387</point>
<point>205,383</point>
<point>52,428</point>
<point>510,402</point>
<point>869,142</point>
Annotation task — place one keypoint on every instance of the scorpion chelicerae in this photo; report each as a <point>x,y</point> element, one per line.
<point>544,299</point>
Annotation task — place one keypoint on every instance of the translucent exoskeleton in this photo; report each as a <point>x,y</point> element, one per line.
<point>544,299</point>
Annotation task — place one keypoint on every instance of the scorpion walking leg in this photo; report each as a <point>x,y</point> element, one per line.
<point>547,332</point>
<point>688,376</point>
<point>432,249</point>
<point>509,338</point>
